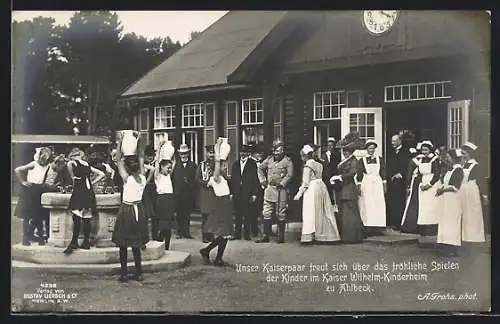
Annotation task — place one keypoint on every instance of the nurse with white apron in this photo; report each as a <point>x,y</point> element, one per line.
<point>450,220</point>
<point>470,197</point>
<point>428,203</point>
<point>372,186</point>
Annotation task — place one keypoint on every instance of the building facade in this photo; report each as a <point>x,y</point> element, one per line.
<point>305,76</point>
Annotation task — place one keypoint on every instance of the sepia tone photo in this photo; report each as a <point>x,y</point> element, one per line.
<point>250,161</point>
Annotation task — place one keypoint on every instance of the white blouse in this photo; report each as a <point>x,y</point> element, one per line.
<point>164,184</point>
<point>221,189</point>
<point>37,174</point>
<point>132,191</point>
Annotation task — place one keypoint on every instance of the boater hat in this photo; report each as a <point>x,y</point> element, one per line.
<point>370,142</point>
<point>246,148</point>
<point>331,139</point>
<point>183,149</point>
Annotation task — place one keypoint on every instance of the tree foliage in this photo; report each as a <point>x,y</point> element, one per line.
<point>67,77</point>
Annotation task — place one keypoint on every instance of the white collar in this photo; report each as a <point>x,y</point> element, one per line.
<point>471,161</point>
<point>457,166</point>
<point>399,147</point>
<point>243,161</point>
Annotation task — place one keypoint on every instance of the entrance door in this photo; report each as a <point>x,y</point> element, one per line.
<point>458,123</point>
<point>366,121</point>
<point>191,139</point>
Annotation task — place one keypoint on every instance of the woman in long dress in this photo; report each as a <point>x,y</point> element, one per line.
<point>205,194</point>
<point>472,215</point>
<point>422,207</point>
<point>131,226</point>
<point>352,226</point>
<point>219,223</point>
<point>372,185</point>
<point>449,234</point>
<point>318,222</point>
<point>29,208</point>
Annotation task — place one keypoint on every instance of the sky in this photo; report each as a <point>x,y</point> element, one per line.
<point>176,24</point>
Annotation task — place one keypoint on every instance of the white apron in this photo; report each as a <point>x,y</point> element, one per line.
<point>450,223</point>
<point>372,200</point>
<point>472,211</point>
<point>428,203</point>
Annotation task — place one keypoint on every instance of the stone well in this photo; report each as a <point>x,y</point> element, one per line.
<point>102,257</point>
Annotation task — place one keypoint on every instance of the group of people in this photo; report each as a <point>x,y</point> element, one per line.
<point>424,190</point>
<point>427,190</point>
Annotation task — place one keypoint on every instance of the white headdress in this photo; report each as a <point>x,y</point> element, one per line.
<point>307,149</point>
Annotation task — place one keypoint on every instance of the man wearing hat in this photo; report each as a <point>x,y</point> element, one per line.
<point>244,186</point>
<point>184,174</point>
<point>398,158</point>
<point>331,159</point>
<point>275,173</point>
<point>203,174</point>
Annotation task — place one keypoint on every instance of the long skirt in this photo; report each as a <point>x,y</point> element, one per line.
<point>450,222</point>
<point>148,200</point>
<point>372,201</point>
<point>352,226</point>
<point>428,205</point>
<point>410,215</point>
<point>29,206</point>
<point>131,227</point>
<point>165,209</point>
<point>318,222</point>
<point>220,217</point>
<point>472,213</point>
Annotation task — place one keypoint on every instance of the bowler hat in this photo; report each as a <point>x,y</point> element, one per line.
<point>183,149</point>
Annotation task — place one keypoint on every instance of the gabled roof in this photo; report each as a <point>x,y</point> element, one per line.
<point>213,56</point>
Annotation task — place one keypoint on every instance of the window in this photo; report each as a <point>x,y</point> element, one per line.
<point>327,105</point>
<point>458,123</point>
<point>143,123</point>
<point>164,117</point>
<point>193,115</point>
<point>210,134</point>
<point>278,119</point>
<point>231,130</point>
<point>253,135</point>
<point>252,111</point>
<point>167,136</point>
<point>418,91</point>
<point>364,124</point>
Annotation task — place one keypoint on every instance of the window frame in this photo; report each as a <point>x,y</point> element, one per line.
<point>398,89</point>
<point>171,117</point>
<point>252,112</point>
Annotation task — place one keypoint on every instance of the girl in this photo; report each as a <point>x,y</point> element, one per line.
<point>372,186</point>
<point>317,212</point>
<point>205,198</point>
<point>450,222</point>
<point>29,207</point>
<point>472,216</point>
<point>165,199</point>
<point>352,225</point>
<point>82,202</point>
<point>149,197</point>
<point>131,227</point>
<point>220,218</point>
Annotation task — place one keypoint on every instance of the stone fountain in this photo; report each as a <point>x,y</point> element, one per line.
<point>102,257</point>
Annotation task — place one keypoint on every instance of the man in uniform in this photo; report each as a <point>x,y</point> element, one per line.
<point>275,172</point>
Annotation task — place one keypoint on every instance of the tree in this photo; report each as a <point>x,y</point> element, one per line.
<point>194,34</point>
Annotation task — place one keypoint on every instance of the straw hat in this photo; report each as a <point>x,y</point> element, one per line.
<point>183,149</point>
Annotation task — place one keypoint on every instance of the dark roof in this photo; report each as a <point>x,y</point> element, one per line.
<point>213,56</point>
<point>340,37</point>
<point>59,139</point>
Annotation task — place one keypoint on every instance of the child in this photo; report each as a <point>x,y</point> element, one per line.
<point>82,202</point>
<point>131,227</point>
<point>165,200</point>
<point>29,206</point>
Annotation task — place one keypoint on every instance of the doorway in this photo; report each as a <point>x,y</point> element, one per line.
<point>194,139</point>
<point>419,122</point>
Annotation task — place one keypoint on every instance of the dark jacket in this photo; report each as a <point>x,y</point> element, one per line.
<point>348,170</point>
<point>183,179</point>
<point>397,163</point>
<point>245,185</point>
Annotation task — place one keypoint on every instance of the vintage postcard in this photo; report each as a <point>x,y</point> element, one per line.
<point>251,161</point>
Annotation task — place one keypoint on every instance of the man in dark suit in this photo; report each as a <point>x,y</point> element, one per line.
<point>331,159</point>
<point>244,186</point>
<point>184,183</point>
<point>397,164</point>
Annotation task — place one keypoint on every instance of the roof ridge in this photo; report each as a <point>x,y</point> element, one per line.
<point>178,51</point>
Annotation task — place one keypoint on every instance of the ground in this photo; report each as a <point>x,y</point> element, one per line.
<point>204,288</point>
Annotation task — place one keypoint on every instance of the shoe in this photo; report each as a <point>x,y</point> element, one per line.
<point>189,237</point>
<point>143,247</point>
<point>205,255</point>
<point>26,243</point>
<point>219,263</point>
<point>85,245</point>
<point>123,278</point>
<point>69,250</point>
